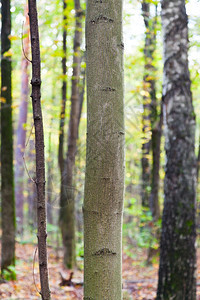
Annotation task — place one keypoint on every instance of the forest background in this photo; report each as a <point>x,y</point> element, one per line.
<point>50,26</point>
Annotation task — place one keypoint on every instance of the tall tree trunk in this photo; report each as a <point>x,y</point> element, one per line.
<point>21,132</point>
<point>39,147</point>
<point>61,160</point>
<point>151,123</point>
<point>149,90</point>
<point>104,182</point>
<point>178,255</point>
<point>7,180</point>
<point>64,92</point>
<point>67,211</point>
<point>156,143</point>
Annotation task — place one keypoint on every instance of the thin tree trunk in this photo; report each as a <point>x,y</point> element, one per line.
<point>178,255</point>
<point>146,117</point>
<point>156,143</point>
<point>151,123</point>
<point>104,182</point>
<point>146,168</point>
<point>21,132</point>
<point>156,129</point>
<point>64,92</point>
<point>7,178</point>
<point>82,89</point>
<point>49,182</point>
<point>61,160</point>
<point>39,147</point>
<point>67,211</point>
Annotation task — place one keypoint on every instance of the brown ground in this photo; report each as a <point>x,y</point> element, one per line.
<point>139,281</point>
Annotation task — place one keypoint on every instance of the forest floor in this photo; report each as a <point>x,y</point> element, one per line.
<point>139,280</point>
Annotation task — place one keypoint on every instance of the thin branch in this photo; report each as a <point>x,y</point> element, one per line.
<point>23,45</point>
<point>31,131</point>
<point>34,272</point>
<point>27,171</point>
<point>23,155</point>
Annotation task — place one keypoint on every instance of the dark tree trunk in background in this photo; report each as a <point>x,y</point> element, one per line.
<point>152,123</point>
<point>64,92</point>
<point>61,160</point>
<point>146,165</point>
<point>81,88</point>
<point>7,177</point>
<point>49,182</point>
<point>178,255</point>
<point>156,143</point>
<point>21,132</point>
<point>39,147</point>
<point>149,90</point>
<point>67,211</point>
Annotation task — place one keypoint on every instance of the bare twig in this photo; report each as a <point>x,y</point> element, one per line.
<point>23,155</point>
<point>29,136</point>
<point>34,273</point>
<point>23,45</point>
<point>25,166</point>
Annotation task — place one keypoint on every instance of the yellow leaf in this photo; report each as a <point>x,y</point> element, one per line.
<point>3,100</point>
<point>13,37</point>
<point>8,53</point>
<point>144,93</point>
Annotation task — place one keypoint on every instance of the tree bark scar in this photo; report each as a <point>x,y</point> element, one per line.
<point>104,252</point>
<point>108,89</point>
<point>121,45</point>
<point>37,117</point>
<point>36,82</point>
<point>101,19</point>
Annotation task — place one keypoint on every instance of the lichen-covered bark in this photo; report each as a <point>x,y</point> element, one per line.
<point>21,131</point>
<point>39,148</point>
<point>104,182</point>
<point>178,256</point>
<point>67,210</point>
<point>7,179</point>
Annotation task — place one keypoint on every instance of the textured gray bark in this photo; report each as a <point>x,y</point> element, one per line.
<point>67,211</point>
<point>104,182</point>
<point>21,132</point>
<point>7,178</point>
<point>39,148</point>
<point>178,256</point>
